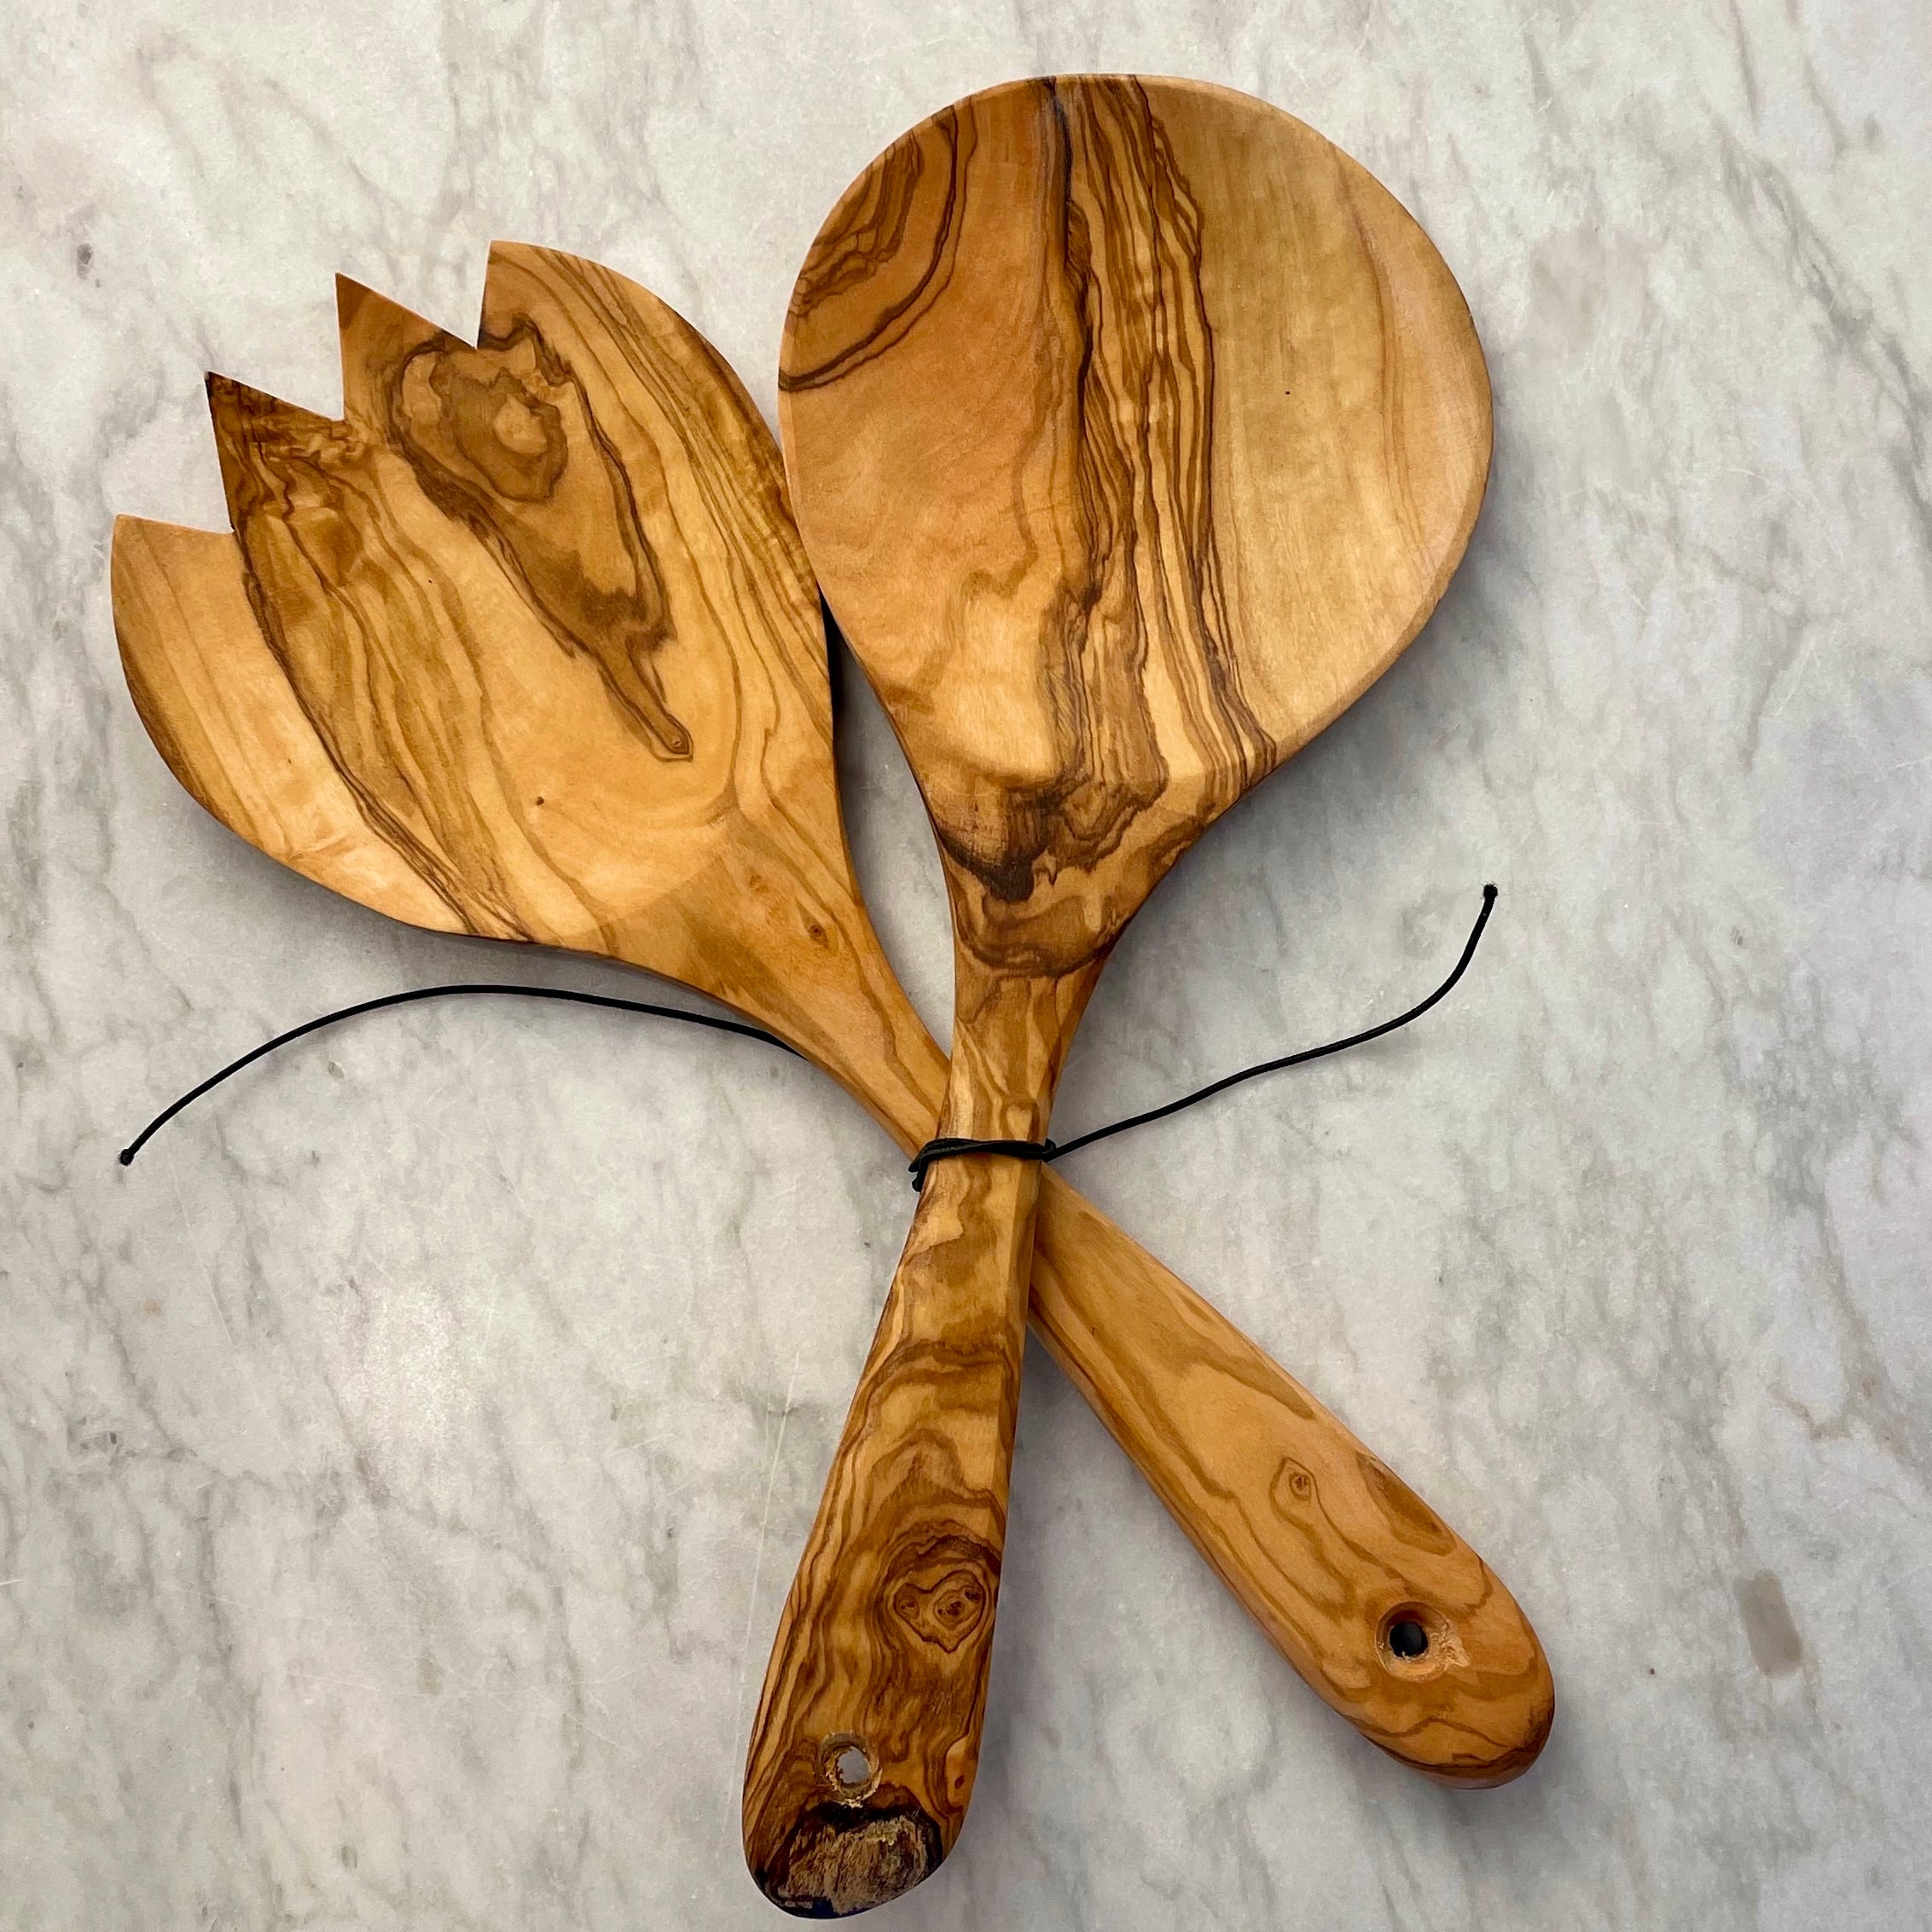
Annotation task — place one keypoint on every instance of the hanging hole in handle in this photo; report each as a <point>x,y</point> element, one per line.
<point>848,1767</point>
<point>1416,1642</point>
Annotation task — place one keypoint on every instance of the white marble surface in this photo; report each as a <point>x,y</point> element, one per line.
<point>401,1466</point>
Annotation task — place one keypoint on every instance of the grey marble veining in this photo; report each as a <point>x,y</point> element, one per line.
<point>401,1466</point>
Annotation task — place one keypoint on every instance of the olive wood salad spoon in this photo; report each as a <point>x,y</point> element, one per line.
<point>525,647</point>
<point>1133,430</point>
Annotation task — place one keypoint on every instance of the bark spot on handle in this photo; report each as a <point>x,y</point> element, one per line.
<point>840,1859</point>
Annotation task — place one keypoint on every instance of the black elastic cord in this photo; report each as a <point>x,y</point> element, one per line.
<point>947,1145</point>
<point>941,1150</point>
<point>1054,1151</point>
<point>189,1098</point>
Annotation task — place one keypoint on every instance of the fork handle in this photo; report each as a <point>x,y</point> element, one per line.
<point>1330,1549</point>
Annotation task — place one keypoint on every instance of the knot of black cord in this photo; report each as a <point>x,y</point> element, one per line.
<point>946,1148</point>
<point>948,1145</point>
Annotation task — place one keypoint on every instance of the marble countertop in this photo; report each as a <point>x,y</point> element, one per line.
<point>401,1466</point>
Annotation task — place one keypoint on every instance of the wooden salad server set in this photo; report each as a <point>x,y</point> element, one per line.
<point>1132,430</point>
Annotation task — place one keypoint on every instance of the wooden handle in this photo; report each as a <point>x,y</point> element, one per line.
<point>1388,1614</point>
<point>1324,1544</point>
<point>867,1738</point>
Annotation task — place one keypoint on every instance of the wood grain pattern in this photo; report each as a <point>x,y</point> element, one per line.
<point>1171,451</point>
<point>1067,374</point>
<point>922,1465</point>
<point>889,1625</point>
<point>401,633</point>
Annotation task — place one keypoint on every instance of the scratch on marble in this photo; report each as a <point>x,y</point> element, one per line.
<point>578,1724</point>
<point>764,1521</point>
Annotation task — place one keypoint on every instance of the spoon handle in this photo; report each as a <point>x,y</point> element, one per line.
<point>867,1738</point>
